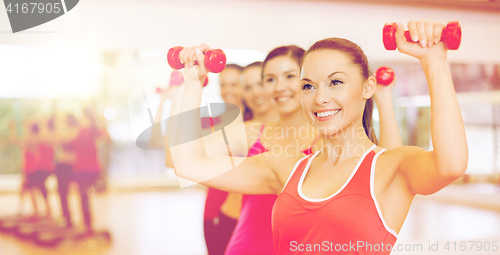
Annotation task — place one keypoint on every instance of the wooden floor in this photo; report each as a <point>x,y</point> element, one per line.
<point>149,222</point>
<point>162,222</point>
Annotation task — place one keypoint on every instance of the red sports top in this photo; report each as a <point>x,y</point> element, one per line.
<point>30,160</point>
<point>46,160</point>
<point>347,222</point>
<point>86,151</point>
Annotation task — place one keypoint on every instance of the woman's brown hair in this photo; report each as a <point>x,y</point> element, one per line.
<point>294,52</point>
<point>359,59</point>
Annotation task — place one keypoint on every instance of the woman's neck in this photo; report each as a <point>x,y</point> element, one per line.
<point>346,143</point>
<point>292,122</point>
<point>265,117</point>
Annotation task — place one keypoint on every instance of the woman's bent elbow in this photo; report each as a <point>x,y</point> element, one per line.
<point>456,169</point>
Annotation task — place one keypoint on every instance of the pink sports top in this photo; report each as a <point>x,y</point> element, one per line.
<point>347,222</point>
<point>46,160</point>
<point>215,198</point>
<point>253,234</point>
<point>213,203</point>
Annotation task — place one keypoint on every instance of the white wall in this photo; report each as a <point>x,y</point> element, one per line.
<point>128,26</point>
<point>49,72</point>
<point>258,25</point>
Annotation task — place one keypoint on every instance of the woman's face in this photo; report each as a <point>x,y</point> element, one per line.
<point>282,80</point>
<point>230,88</point>
<point>254,94</point>
<point>334,92</point>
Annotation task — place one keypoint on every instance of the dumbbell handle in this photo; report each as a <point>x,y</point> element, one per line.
<point>215,59</point>
<point>408,37</point>
<point>451,35</point>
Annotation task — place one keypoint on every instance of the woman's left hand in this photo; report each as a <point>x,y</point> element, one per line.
<point>188,56</point>
<point>384,91</point>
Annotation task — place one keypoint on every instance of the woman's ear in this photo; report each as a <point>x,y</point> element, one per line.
<point>369,87</point>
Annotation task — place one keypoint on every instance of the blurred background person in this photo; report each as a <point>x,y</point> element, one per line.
<point>87,168</point>
<point>46,163</point>
<point>64,136</point>
<point>34,165</point>
<point>258,104</point>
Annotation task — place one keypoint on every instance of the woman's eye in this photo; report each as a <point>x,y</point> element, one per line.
<point>307,87</point>
<point>269,80</point>
<point>336,82</point>
<point>291,76</point>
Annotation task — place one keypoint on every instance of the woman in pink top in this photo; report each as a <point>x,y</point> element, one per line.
<point>337,87</point>
<point>280,88</point>
<point>218,225</point>
<point>258,109</point>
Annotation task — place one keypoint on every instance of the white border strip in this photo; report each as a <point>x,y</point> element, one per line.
<point>64,6</point>
<point>293,171</point>
<point>345,184</point>
<point>372,191</point>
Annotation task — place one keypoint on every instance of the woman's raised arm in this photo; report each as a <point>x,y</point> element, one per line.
<point>428,172</point>
<point>252,175</point>
<point>389,131</point>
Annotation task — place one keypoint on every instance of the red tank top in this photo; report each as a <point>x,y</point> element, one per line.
<point>253,233</point>
<point>46,160</point>
<point>347,222</point>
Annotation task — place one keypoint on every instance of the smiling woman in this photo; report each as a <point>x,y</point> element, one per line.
<point>230,88</point>
<point>341,83</point>
<point>257,100</point>
<point>281,75</point>
<point>351,190</point>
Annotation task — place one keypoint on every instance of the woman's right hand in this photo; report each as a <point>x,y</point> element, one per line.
<point>188,56</point>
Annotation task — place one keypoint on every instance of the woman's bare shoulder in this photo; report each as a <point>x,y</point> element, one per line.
<point>396,155</point>
<point>388,163</point>
<point>282,162</point>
